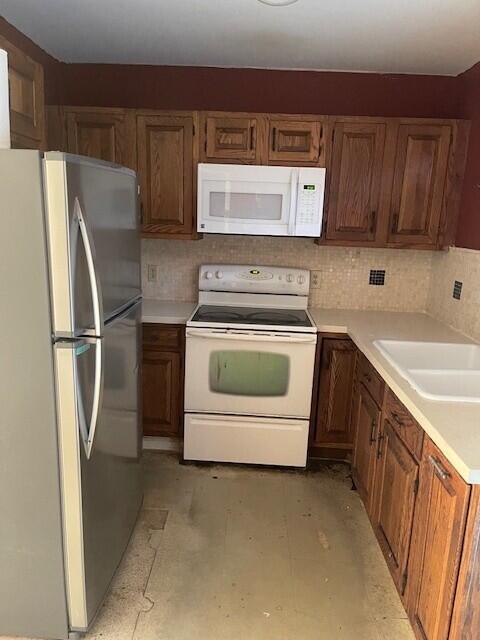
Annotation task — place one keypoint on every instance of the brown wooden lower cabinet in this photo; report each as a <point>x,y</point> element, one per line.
<point>332,397</point>
<point>396,487</point>
<point>163,379</point>
<point>425,516</point>
<point>366,420</point>
<point>438,539</point>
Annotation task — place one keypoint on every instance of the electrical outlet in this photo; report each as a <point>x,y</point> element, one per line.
<point>315,279</point>
<point>152,273</point>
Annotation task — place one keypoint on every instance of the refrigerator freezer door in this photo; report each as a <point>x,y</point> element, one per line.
<point>101,494</point>
<point>94,246</point>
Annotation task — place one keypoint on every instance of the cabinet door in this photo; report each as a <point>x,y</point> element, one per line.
<point>436,544</point>
<point>102,133</point>
<point>418,183</point>
<point>162,389</point>
<point>27,117</point>
<point>396,484</point>
<point>165,172</point>
<point>292,142</point>
<point>337,366</point>
<point>366,419</point>
<point>233,138</point>
<point>355,181</point>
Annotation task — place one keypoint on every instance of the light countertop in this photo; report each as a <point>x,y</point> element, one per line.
<point>166,311</point>
<point>453,427</point>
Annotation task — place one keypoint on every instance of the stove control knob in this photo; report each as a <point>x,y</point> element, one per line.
<point>208,275</point>
<point>290,277</point>
<point>219,275</point>
<point>301,279</point>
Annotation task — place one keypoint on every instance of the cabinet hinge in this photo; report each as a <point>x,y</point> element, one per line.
<point>416,484</point>
<point>404,581</point>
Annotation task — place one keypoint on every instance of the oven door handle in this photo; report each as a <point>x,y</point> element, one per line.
<point>252,337</point>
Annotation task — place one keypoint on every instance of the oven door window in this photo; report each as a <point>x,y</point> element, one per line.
<point>249,373</point>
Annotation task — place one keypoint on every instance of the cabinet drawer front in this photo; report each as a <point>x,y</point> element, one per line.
<point>163,336</point>
<point>231,138</point>
<point>371,379</point>
<point>294,141</point>
<point>410,432</point>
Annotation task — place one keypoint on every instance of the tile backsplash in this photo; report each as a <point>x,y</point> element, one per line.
<point>344,272</point>
<point>448,267</point>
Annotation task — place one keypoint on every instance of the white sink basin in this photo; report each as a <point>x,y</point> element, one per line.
<point>430,355</point>
<point>436,370</point>
<point>452,385</point>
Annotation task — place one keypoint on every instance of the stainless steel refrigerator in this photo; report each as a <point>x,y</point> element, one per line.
<point>70,441</point>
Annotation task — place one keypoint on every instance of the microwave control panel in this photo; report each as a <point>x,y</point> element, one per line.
<point>308,202</point>
<point>310,190</point>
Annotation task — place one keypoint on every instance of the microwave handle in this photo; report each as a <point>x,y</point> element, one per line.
<point>292,214</point>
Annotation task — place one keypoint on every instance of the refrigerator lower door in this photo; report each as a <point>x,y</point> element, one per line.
<point>93,241</point>
<point>100,449</point>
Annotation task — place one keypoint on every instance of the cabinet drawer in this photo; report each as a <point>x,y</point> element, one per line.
<point>163,336</point>
<point>371,379</point>
<point>294,141</point>
<point>406,427</point>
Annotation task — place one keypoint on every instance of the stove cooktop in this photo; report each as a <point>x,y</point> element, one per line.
<point>230,315</point>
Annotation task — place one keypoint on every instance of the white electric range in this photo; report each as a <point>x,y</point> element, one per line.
<point>250,353</point>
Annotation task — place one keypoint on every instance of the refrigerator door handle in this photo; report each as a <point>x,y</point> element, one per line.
<point>92,272</point>
<point>78,347</point>
<point>88,433</point>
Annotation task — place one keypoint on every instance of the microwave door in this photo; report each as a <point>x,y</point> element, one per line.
<point>245,207</point>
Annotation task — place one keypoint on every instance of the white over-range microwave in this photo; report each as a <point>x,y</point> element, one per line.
<point>260,200</point>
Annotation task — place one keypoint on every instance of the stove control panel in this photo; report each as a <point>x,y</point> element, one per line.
<point>254,279</point>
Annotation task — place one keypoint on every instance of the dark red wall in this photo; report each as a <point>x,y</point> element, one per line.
<point>468,234</point>
<point>51,66</point>
<point>212,88</point>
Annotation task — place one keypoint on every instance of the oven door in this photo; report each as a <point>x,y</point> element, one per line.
<point>249,372</point>
<point>246,199</point>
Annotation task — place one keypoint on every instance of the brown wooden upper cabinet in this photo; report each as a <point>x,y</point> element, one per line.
<point>166,171</point>
<point>294,142</point>
<point>27,102</point>
<point>419,178</point>
<point>231,137</point>
<point>106,134</point>
<point>355,181</point>
<point>333,424</point>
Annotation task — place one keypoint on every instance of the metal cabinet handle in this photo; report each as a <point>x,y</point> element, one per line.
<point>252,137</point>
<point>373,222</point>
<point>439,468</point>
<point>397,419</point>
<point>274,133</point>
<point>379,446</point>
<point>394,228</point>
<point>367,377</point>
<point>372,432</point>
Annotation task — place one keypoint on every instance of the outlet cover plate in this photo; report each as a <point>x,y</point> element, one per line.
<point>315,279</point>
<point>152,273</point>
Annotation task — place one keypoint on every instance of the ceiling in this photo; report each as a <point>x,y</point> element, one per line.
<point>398,36</point>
